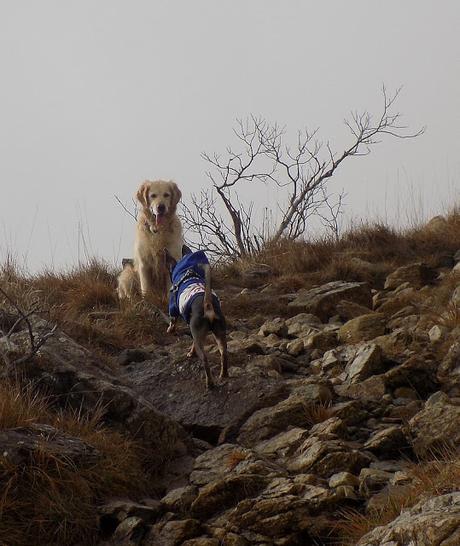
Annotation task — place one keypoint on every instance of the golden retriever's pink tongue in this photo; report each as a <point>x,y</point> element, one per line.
<point>160,219</point>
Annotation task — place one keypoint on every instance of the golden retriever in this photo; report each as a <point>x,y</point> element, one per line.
<point>158,227</point>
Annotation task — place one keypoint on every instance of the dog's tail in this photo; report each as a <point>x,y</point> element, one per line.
<point>209,312</point>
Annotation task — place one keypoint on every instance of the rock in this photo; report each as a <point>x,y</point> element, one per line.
<point>455,298</point>
<point>348,310</point>
<point>231,539</point>
<point>128,532</point>
<point>276,326</point>
<point>394,345</point>
<point>324,340</point>
<point>436,426</point>
<point>368,361</point>
<point>283,444</point>
<point>295,347</point>
<point>226,492</point>
<point>372,388</point>
<point>22,445</point>
<point>437,333</point>
<point>180,499</point>
<point>257,273</point>
<point>172,533</point>
<point>343,478</point>
<point>201,541</point>
<point>436,224</point>
<point>417,275</point>
<point>178,390</point>
<point>322,301</point>
<point>269,421</point>
<point>128,518</point>
<point>417,372</point>
<point>271,362</point>
<point>286,507</point>
<point>327,457</point>
<point>133,355</point>
<point>372,480</point>
<point>362,328</point>
<point>448,373</point>
<point>430,522</point>
<point>405,392</point>
<point>72,374</point>
<point>388,441</point>
<point>313,393</point>
<point>303,324</point>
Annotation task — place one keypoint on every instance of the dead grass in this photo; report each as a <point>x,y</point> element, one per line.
<point>438,475</point>
<point>83,302</point>
<point>367,252</point>
<point>49,499</point>
<point>318,412</point>
<point>235,458</point>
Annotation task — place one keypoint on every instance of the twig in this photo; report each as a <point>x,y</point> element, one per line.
<point>24,317</point>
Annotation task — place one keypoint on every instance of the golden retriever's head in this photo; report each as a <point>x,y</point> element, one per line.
<point>160,196</point>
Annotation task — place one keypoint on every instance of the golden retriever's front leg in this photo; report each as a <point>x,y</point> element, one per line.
<point>145,278</point>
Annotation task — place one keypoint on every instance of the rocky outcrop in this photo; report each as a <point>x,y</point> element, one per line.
<point>437,425</point>
<point>416,275</point>
<point>322,301</point>
<point>435,522</point>
<point>321,411</point>
<point>71,375</point>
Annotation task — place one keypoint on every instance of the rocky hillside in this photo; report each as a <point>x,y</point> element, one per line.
<point>339,423</point>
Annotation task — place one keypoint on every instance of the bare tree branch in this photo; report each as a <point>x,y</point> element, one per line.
<point>125,208</point>
<point>35,343</point>
<point>302,171</point>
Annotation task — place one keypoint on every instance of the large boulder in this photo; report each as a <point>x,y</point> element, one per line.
<point>437,425</point>
<point>322,301</point>
<point>366,362</point>
<point>327,457</point>
<point>22,445</point>
<point>416,275</point>
<point>177,389</point>
<point>433,522</point>
<point>268,422</point>
<point>73,377</point>
<point>362,328</point>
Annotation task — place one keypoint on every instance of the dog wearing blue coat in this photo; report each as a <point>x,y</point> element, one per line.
<point>192,298</point>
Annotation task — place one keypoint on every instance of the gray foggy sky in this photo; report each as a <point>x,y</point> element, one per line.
<point>95,96</point>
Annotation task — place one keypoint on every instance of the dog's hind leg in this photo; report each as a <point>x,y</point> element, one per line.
<point>199,349</point>
<point>192,350</point>
<point>221,340</point>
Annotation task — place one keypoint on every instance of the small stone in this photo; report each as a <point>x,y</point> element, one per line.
<point>368,361</point>
<point>295,347</point>
<point>363,328</point>
<point>343,478</point>
<point>437,333</point>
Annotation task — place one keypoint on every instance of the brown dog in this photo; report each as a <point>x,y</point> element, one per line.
<point>158,227</point>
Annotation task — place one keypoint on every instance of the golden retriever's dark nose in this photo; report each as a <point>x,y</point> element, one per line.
<point>161,208</point>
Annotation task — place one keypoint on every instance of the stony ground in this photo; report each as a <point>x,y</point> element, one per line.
<point>326,413</point>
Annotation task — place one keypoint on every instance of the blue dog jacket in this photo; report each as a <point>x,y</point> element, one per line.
<point>188,281</point>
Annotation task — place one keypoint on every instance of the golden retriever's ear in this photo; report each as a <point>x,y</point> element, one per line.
<point>175,193</point>
<point>142,194</point>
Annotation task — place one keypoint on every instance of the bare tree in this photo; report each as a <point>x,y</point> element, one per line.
<point>36,341</point>
<point>302,171</point>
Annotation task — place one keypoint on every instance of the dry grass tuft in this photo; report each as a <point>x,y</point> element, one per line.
<point>235,458</point>
<point>318,412</point>
<point>84,304</point>
<point>50,499</point>
<point>437,476</point>
<point>366,252</point>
